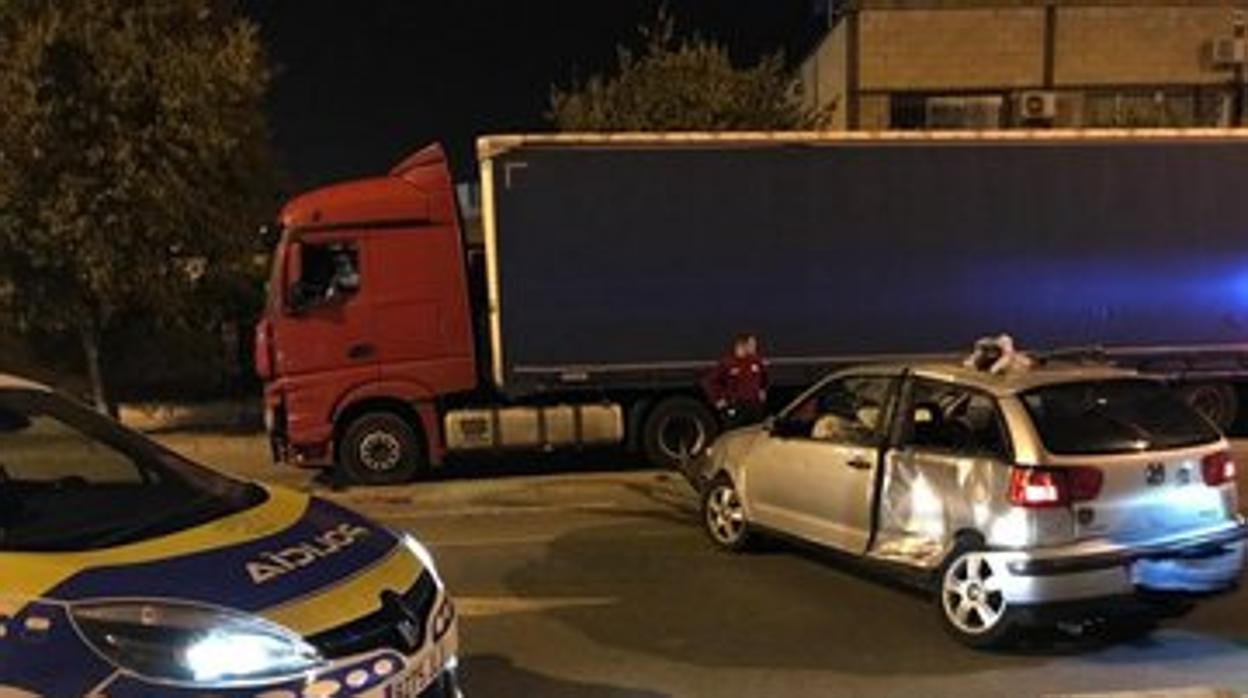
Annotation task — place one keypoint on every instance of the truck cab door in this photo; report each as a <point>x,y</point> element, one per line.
<point>324,334</point>
<point>815,475</point>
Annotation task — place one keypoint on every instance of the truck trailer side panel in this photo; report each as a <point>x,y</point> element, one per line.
<point>629,255</point>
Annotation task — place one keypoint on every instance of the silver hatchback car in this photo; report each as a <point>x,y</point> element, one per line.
<point>1050,488</point>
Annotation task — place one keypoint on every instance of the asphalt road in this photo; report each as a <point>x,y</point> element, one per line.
<point>601,585</point>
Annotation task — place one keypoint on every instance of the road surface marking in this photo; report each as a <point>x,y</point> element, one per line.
<point>1195,692</point>
<point>545,539</point>
<point>490,606</point>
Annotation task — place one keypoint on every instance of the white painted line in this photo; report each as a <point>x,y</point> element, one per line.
<point>532,540</point>
<point>416,511</point>
<point>1192,692</point>
<point>489,606</point>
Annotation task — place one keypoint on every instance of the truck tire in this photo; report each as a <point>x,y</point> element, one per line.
<point>1216,401</point>
<point>380,448</point>
<point>676,430</point>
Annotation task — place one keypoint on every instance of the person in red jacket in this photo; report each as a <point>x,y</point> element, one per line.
<point>737,386</point>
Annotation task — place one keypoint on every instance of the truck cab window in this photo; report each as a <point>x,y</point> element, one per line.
<point>952,419</point>
<point>329,271</point>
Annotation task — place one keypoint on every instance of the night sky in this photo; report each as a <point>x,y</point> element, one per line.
<point>361,83</point>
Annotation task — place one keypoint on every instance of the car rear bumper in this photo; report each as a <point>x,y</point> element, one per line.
<point>1206,563</point>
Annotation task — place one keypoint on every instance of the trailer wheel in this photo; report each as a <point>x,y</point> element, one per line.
<point>677,429</point>
<point>380,448</point>
<point>1216,401</point>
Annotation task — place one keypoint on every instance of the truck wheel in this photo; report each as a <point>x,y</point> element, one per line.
<point>972,605</point>
<point>380,448</point>
<point>1216,401</point>
<point>677,429</point>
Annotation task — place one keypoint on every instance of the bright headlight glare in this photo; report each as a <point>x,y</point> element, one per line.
<point>422,553</point>
<point>186,644</point>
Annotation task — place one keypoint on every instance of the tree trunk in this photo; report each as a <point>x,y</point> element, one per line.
<point>91,352</point>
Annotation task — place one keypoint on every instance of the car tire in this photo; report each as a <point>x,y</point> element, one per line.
<point>972,607</point>
<point>677,430</point>
<point>723,516</point>
<point>380,448</point>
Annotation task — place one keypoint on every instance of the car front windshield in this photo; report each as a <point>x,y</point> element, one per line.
<point>1114,416</point>
<point>71,480</point>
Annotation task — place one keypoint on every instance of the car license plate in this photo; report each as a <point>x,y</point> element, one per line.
<point>417,678</point>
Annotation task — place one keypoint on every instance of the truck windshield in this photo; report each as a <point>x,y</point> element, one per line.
<point>1114,416</point>
<point>72,480</point>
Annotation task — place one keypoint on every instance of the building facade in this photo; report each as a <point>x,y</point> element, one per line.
<point>985,64</point>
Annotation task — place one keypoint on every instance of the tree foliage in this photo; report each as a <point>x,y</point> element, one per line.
<point>134,161</point>
<point>685,84</point>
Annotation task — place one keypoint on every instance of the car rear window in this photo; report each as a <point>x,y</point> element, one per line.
<point>1114,416</point>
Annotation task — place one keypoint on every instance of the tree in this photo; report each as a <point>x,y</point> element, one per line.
<point>685,85</point>
<point>134,161</point>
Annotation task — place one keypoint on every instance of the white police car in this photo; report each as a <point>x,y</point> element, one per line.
<point>126,570</point>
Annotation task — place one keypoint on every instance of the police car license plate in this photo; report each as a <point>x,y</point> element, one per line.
<point>418,678</point>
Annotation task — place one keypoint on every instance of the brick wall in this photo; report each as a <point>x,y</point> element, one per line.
<point>1139,45</point>
<point>960,49</point>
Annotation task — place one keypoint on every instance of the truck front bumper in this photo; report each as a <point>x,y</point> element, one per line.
<point>1205,563</point>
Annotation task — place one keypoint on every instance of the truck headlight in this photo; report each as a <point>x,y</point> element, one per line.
<point>193,645</point>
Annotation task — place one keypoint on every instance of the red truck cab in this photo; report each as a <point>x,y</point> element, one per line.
<point>367,322</point>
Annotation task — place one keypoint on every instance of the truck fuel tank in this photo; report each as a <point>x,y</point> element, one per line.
<point>547,427</point>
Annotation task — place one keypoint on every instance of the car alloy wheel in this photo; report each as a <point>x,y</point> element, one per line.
<point>725,516</point>
<point>971,595</point>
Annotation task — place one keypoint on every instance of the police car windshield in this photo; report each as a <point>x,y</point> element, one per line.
<point>71,479</point>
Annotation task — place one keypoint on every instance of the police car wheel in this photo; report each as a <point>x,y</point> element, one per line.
<point>676,430</point>
<point>380,448</point>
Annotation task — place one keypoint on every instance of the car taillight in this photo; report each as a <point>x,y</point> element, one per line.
<point>1218,468</point>
<point>1053,487</point>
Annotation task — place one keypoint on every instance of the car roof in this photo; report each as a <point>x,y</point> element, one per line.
<point>1010,382</point>
<point>11,382</point>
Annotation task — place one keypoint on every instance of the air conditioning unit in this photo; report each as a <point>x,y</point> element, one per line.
<point>1037,105</point>
<point>1230,52</point>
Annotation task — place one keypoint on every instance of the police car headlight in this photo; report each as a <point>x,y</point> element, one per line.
<point>193,645</point>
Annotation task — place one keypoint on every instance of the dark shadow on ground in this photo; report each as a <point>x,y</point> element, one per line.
<point>790,608</point>
<point>492,675</point>
<point>519,464</point>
